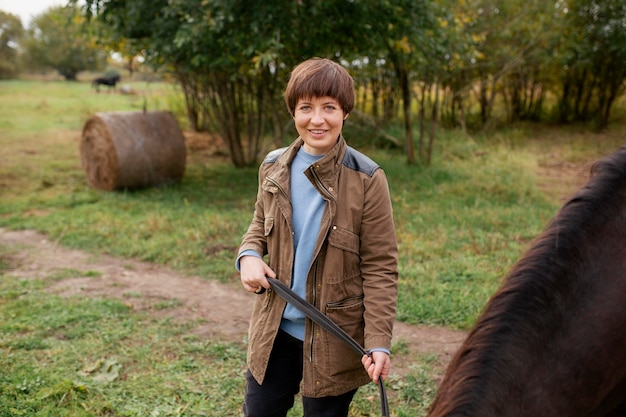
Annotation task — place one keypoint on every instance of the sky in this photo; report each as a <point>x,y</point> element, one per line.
<point>26,9</point>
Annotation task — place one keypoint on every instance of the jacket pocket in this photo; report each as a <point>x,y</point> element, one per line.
<point>342,261</point>
<point>347,314</point>
<point>344,239</point>
<point>346,305</point>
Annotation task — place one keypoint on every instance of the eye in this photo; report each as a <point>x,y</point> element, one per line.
<point>330,107</point>
<point>304,108</point>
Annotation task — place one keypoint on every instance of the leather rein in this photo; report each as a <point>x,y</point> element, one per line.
<point>327,324</point>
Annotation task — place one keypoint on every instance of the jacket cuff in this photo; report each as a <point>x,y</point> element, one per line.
<point>387,351</point>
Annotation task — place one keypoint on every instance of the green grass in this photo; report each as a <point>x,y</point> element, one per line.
<point>30,107</point>
<point>96,357</point>
<point>461,224</point>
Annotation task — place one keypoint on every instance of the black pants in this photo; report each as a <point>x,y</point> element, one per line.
<point>282,382</point>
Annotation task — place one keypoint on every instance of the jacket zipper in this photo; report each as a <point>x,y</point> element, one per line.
<point>320,184</point>
<point>274,182</point>
<point>313,325</point>
<point>330,196</point>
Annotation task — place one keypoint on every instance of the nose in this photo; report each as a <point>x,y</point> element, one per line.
<point>317,117</point>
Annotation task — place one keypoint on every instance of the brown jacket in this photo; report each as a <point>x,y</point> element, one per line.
<point>353,275</point>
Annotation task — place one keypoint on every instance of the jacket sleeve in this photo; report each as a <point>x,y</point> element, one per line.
<point>255,238</point>
<point>379,263</point>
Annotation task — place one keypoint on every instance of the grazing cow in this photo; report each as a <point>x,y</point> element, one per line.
<point>110,81</point>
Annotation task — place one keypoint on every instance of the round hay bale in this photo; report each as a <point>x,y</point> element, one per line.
<point>130,150</point>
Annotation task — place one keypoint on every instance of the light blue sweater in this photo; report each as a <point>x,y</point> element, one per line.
<point>308,206</point>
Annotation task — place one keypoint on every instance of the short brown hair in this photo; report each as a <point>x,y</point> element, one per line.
<point>320,77</point>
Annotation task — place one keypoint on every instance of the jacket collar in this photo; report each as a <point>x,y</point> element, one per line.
<point>327,167</point>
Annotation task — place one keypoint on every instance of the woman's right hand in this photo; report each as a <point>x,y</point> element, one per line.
<point>253,271</point>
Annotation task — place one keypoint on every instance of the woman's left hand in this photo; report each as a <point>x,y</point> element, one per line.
<point>377,365</point>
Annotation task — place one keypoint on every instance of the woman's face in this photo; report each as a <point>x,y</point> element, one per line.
<point>318,121</point>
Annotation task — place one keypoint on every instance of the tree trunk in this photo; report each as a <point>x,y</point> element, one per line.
<point>433,122</point>
<point>406,107</point>
<point>422,119</point>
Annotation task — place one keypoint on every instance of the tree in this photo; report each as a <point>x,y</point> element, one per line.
<point>59,39</point>
<point>396,34</point>
<point>11,32</point>
<point>592,59</point>
<point>232,57</point>
<point>220,52</point>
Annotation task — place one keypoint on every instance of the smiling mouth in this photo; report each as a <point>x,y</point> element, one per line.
<point>317,132</point>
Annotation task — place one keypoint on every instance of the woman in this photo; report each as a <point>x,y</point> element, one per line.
<point>323,218</point>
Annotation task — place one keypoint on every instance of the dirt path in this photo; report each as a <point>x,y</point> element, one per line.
<point>223,309</point>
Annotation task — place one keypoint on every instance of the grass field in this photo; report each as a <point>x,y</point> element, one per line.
<point>461,224</point>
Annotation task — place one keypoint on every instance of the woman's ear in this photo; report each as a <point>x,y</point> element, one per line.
<point>346,116</point>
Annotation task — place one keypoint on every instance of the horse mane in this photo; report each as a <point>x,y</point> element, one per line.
<point>531,305</point>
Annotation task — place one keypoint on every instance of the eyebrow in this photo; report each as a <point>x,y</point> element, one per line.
<point>302,101</point>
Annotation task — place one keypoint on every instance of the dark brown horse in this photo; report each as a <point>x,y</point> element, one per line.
<point>552,340</point>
